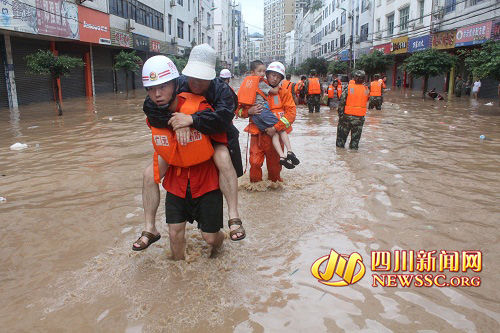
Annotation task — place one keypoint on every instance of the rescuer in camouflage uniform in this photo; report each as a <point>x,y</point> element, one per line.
<point>376,101</point>
<point>350,123</point>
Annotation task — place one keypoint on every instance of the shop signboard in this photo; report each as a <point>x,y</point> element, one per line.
<point>473,34</point>
<point>18,16</point>
<point>419,43</point>
<point>444,40</point>
<point>57,18</point>
<point>399,45</point>
<point>94,26</point>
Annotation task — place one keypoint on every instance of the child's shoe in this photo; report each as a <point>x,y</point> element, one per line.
<point>286,163</point>
<point>291,157</point>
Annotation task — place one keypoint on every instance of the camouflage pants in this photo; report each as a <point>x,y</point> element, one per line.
<point>313,103</point>
<point>353,124</point>
<point>375,102</point>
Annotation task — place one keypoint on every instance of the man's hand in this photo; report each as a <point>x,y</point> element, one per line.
<point>180,120</point>
<point>183,134</point>
<point>255,109</point>
<point>271,131</point>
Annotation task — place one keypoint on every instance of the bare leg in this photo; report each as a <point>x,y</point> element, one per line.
<point>277,145</point>
<point>214,240</point>
<point>177,233</point>
<point>151,197</point>
<point>228,181</point>
<point>286,140</point>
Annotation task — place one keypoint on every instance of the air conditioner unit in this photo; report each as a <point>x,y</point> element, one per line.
<point>130,24</point>
<point>339,29</point>
<point>172,3</point>
<point>434,27</point>
<point>439,13</point>
<point>411,25</point>
<point>356,39</point>
<point>195,20</point>
<point>378,35</point>
<point>174,40</point>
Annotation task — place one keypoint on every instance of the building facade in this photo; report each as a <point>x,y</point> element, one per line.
<point>279,19</point>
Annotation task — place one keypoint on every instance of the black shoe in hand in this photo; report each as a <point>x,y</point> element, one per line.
<point>291,157</point>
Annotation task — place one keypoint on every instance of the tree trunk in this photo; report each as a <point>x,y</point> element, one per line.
<point>424,89</point>
<point>56,96</point>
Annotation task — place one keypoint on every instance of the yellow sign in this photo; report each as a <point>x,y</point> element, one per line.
<point>399,45</point>
<point>337,264</point>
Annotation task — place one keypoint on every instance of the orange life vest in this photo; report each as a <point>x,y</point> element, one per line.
<point>331,91</point>
<point>287,85</point>
<point>199,148</point>
<point>375,88</point>
<point>299,87</point>
<point>339,90</point>
<point>357,97</point>
<point>314,87</point>
<point>248,89</point>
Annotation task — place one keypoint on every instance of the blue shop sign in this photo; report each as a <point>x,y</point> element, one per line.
<point>344,55</point>
<point>419,43</point>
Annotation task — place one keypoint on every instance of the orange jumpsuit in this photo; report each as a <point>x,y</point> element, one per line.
<point>261,146</point>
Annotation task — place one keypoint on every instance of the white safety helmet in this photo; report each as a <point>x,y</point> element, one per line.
<point>157,70</point>
<point>277,67</point>
<point>225,73</point>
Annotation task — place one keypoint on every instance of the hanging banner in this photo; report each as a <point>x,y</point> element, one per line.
<point>57,18</point>
<point>344,55</point>
<point>419,43</point>
<point>473,34</point>
<point>94,26</point>
<point>386,48</point>
<point>18,16</point>
<point>140,42</point>
<point>399,45</point>
<point>121,38</point>
<point>443,40</point>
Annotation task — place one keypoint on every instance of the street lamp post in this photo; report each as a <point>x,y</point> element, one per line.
<point>351,37</point>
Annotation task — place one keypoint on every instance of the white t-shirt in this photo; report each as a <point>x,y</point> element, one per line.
<point>476,87</point>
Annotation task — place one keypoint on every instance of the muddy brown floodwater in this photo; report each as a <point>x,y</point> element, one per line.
<point>422,179</point>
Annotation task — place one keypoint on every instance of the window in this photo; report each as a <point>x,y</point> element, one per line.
<point>342,40</point>
<point>209,40</point>
<point>142,14</point>
<point>180,29</point>
<point>364,33</point>
<point>209,19</point>
<point>404,15</point>
<point>474,2</point>
<point>378,25</point>
<point>189,31</point>
<point>390,25</point>
<point>180,2</point>
<point>169,24</point>
<point>449,5</point>
<point>364,5</point>
<point>421,11</point>
<point>342,18</point>
<point>189,5</point>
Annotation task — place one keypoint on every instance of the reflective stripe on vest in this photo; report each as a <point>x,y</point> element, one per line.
<point>199,148</point>
<point>375,88</point>
<point>357,97</point>
<point>314,87</point>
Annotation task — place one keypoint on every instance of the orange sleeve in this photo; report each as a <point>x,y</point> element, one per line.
<point>289,109</point>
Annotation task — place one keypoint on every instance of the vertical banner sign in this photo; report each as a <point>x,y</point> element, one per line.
<point>121,38</point>
<point>399,45</point>
<point>18,15</point>
<point>94,26</point>
<point>443,40</point>
<point>419,43</point>
<point>57,18</point>
<point>473,34</point>
<point>141,42</point>
<point>154,46</point>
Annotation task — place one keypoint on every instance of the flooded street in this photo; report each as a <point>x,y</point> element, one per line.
<point>421,180</point>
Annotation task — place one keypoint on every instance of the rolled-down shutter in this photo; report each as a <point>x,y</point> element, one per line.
<point>4,99</point>
<point>30,87</point>
<point>103,69</point>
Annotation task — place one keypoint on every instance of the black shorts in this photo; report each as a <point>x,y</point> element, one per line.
<point>206,210</point>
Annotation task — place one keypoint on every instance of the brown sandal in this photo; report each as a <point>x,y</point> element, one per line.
<point>142,246</point>
<point>241,230</point>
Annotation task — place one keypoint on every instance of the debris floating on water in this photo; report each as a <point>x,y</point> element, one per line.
<point>129,216</point>
<point>482,136</point>
<point>489,104</point>
<point>18,146</point>
<point>102,315</point>
<point>2,199</point>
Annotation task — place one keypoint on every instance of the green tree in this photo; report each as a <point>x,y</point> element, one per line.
<point>318,64</point>
<point>374,63</point>
<point>483,62</point>
<point>428,63</point>
<point>242,69</point>
<point>337,67</point>
<point>44,62</point>
<point>180,62</point>
<point>128,62</point>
